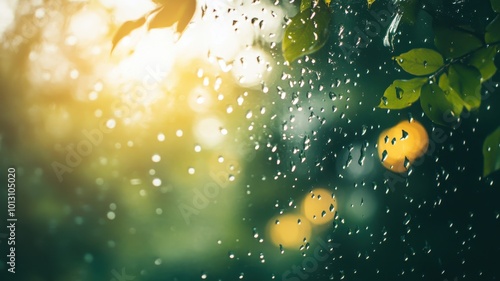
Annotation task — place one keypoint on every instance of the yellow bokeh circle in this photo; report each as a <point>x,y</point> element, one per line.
<point>319,206</point>
<point>406,140</point>
<point>289,230</point>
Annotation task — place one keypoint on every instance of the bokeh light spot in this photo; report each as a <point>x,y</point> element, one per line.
<point>289,230</point>
<point>400,145</point>
<point>319,206</point>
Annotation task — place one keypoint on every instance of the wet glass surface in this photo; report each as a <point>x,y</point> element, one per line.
<point>249,140</point>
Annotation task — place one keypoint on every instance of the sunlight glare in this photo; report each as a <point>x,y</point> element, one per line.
<point>88,26</point>
<point>6,15</point>
<point>124,10</point>
<point>200,99</point>
<point>251,67</point>
<point>208,131</point>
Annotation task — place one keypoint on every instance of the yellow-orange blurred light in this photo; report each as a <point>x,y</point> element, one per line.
<point>57,121</point>
<point>251,67</point>
<point>89,26</point>
<point>7,15</point>
<point>209,131</point>
<point>200,99</point>
<point>319,207</point>
<point>124,10</point>
<point>289,230</point>
<point>152,59</point>
<point>407,140</point>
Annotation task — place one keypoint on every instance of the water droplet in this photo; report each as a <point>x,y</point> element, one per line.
<point>406,163</point>
<point>135,181</point>
<point>364,129</point>
<point>404,135</point>
<point>349,160</point>
<point>111,215</point>
<point>399,93</point>
<point>407,220</point>
<point>156,182</point>
<point>156,158</point>
<point>385,101</point>
<point>384,155</point>
<point>111,123</point>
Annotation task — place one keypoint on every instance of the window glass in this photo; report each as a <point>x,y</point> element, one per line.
<point>249,140</point>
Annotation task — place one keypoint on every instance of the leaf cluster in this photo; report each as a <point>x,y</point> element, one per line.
<point>307,32</point>
<point>448,80</point>
<point>165,15</point>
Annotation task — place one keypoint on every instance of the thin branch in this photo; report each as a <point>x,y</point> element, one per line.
<point>460,58</point>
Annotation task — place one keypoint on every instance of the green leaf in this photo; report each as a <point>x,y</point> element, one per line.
<point>189,10</point>
<point>307,32</point>
<point>453,43</point>
<point>165,17</point>
<point>491,153</point>
<point>410,9</point>
<point>305,4</point>
<point>370,3</point>
<point>438,106</point>
<point>495,5</point>
<point>493,31</point>
<point>175,11</point>
<point>402,93</point>
<point>452,96</point>
<point>466,82</point>
<point>125,29</point>
<point>496,61</point>
<point>420,61</point>
<point>484,61</point>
